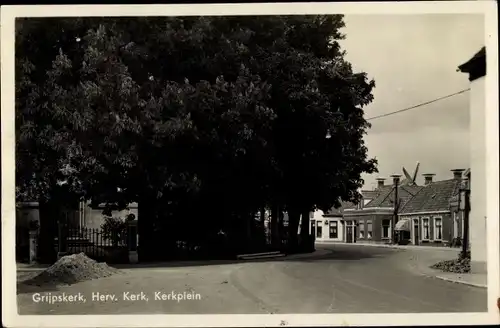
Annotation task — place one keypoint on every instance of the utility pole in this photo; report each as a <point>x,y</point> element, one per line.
<point>395,179</point>
<point>465,244</point>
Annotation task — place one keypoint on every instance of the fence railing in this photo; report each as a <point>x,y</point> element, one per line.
<point>96,243</point>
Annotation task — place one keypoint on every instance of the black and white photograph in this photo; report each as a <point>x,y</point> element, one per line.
<point>299,164</point>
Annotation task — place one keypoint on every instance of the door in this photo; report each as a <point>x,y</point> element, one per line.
<point>319,231</point>
<point>416,236</point>
<point>348,235</point>
<point>355,234</point>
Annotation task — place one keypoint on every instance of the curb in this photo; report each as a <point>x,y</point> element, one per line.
<point>450,280</point>
<point>400,247</point>
<point>258,257</point>
<point>242,256</point>
<point>461,282</point>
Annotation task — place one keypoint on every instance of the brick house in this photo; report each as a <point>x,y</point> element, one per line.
<point>427,218</point>
<point>371,221</point>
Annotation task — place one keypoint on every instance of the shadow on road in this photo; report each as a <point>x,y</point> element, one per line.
<point>332,253</point>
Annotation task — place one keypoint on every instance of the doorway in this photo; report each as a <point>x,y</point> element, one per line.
<point>348,236</point>
<point>416,237</point>
<point>351,231</point>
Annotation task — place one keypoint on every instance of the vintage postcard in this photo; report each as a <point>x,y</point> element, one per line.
<point>291,164</point>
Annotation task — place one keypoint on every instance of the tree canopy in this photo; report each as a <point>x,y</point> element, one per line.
<point>193,116</point>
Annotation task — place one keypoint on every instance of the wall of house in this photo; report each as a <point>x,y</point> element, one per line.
<point>376,220</point>
<point>319,219</point>
<point>93,217</point>
<point>477,217</point>
<point>29,211</point>
<point>25,213</point>
<point>447,228</point>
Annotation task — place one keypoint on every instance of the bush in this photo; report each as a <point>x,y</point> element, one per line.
<point>114,230</point>
<point>463,255</point>
<point>456,242</point>
<point>455,266</point>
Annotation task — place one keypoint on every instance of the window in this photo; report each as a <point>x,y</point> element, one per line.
<point>319,231</point>
<point>425,228</point>
<point>361,230</point>
<point>438,229</point>
<point>334,229</point>
<point>369,229</point>
<point>386,227</point>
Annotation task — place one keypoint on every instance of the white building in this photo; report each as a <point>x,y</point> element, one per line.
<point>476,68</point>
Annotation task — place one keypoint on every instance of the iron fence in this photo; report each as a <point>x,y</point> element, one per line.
<point>95,243</point>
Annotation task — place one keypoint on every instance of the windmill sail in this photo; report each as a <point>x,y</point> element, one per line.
<point>407,175</point>
<point>415,173</point>
<point>411,180</point>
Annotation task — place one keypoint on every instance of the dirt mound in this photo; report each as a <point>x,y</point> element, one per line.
<point>71,269</point>
<point>455,266</point>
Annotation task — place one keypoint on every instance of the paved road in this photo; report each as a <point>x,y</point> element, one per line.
<point>345,279</point>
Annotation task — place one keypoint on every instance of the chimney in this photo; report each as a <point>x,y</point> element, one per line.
<point>457,174</point>
<point>396,178</point>
<point>380,182</point>
<point>428,178</point>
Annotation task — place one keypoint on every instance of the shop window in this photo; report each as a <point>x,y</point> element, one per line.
<point>438,229</point>
<point>425,229</point>
<point>334,229</point>
<point>386,228</point>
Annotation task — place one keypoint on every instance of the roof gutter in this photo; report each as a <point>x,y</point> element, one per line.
<point>426,212</point>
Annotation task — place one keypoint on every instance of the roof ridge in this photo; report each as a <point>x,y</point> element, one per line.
<point>412,197</point>
<point>388,194</point>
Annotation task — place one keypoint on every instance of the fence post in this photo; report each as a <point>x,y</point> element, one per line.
<point>33,246</point>
<point>132,241</point>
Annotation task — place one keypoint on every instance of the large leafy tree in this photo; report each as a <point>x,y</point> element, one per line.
<point>199,116</point>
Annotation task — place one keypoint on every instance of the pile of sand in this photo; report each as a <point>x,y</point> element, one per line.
<point>71,269</point>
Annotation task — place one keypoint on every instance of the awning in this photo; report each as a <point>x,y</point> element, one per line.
<point>403,225</point>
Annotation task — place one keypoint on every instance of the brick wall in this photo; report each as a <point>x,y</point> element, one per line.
<point>447,228</point>
<point>376,220</point>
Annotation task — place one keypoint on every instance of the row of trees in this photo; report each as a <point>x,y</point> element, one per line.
<point>204,121</point>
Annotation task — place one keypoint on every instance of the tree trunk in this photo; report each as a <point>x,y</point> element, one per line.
<point>48,231</point>
<point>304,227</point>
<point>145,225</point>
<point>293,226</point>
<point>275,231</point>
<point>248,235</point>
<point>262,226</point>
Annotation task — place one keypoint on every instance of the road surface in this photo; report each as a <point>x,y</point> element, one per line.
<point>344,279</point>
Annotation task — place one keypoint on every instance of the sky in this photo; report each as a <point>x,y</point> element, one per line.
<point>414,59</point>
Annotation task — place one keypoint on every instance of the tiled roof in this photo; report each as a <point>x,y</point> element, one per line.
<point>334,212</point>
<point>433,197</point>
<point>385,197</point>
<point>340,211</point>
<point>348,205</point>
<point>369,194</point>
<point>480,55</point>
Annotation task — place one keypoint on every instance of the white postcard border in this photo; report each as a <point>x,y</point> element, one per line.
<point>11,318</point>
